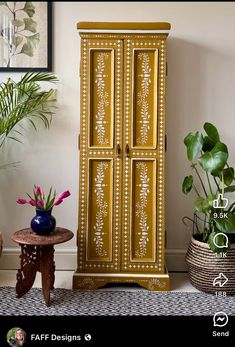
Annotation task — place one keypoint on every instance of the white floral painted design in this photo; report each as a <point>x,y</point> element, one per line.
<point>142,98</point>
<point>140,210</point>
<point>102,212</point>
<point>102,99</point>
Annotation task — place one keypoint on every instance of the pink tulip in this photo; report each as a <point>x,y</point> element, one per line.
<point>58,201</point>
<point>21,201</point>
<point>40,204</point>
<point>32,202</point>
<point>64,195</point>
<point>37,190</point>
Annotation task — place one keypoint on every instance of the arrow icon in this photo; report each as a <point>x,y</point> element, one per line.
<point>221,280</point>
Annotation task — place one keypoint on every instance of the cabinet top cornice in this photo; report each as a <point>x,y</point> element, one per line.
<point>124,26</point>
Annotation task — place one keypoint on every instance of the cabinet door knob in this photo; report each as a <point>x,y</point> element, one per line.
<point>118,149</point>
<point>127,150</point>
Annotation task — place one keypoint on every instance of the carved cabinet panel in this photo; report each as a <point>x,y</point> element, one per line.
<point>143,168</point>
<point>100,164</point>
<point>121,232</point>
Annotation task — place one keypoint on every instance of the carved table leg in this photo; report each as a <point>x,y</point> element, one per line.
<point>28,269</point>
<point>47,268</point>
<point>53,274</point>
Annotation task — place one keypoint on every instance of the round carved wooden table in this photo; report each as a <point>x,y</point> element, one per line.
<point>37,254</point>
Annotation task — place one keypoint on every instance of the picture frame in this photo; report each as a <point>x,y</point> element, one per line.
<point>26,36</point>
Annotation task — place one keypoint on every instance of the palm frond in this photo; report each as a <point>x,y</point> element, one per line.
<point>25,100</point>
<point>38,77</point>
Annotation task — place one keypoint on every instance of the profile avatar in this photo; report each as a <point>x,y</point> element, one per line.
<point>16,337</point>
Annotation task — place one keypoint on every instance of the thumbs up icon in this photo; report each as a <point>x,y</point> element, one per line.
<point>220,202</point>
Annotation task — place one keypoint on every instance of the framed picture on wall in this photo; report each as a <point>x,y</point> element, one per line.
<point>25,36</point>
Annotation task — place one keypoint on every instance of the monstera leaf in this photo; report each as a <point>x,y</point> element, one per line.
<point>228,175</point>
<point>194,145</point>
<point>212,132</point>
<point>226,224</point>
<point>204,205</point>
<point>212,137</point>
<point>215,160</point>
<point>187,184</point>
<point>208,144</point>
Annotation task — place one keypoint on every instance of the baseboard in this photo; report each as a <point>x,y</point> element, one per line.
<point>66,259</point>
<point>175,260</point>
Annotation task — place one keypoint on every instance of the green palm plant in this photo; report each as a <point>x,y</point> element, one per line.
<point>25,101</point>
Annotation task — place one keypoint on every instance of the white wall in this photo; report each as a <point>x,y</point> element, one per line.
<point>201,87</point>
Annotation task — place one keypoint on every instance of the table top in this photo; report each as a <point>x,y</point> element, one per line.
<point>29,237</point>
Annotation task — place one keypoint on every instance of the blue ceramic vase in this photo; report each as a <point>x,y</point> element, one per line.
<point>43,223</point>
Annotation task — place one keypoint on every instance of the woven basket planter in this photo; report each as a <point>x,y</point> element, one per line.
<point>204,266</point>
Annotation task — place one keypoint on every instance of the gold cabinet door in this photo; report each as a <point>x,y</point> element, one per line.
<point>100,151</point>
<point>143,167</point>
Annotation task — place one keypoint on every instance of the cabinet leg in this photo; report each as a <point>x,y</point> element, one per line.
<point>28,269</point>
<point>47,267</point>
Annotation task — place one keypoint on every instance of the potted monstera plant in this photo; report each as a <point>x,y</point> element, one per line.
<point>21,102</point>
<point>211,253</point>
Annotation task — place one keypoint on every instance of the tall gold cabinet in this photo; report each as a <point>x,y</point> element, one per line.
<point>121,229</point>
